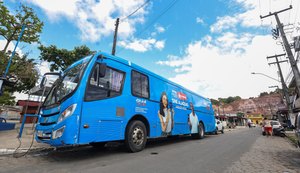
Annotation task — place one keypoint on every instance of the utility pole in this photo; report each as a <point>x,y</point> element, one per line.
<point>284,87</point>
<point>287,47</point>
<point>115,37</point>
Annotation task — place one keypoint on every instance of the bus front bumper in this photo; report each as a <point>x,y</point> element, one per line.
<point>61,134</point>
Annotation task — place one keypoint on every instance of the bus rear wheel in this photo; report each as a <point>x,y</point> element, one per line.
<point>201,132</point>
<point>136,136</point>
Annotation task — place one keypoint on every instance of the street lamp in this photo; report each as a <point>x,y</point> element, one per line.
<point>266,76</point>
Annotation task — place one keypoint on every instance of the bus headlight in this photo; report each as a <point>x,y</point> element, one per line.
<point>58,133</point>
<point>66,113</point>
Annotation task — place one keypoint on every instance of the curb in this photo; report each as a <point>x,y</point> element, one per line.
<point>289,138</point>
<point>11,151</point>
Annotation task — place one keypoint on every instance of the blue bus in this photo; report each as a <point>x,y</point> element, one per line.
<point>102,98</point>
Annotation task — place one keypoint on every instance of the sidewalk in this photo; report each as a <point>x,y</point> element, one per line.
<point>269,154</point>
<point>9,141</point>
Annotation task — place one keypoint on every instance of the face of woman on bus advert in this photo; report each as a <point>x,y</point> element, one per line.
<point>165,101</point>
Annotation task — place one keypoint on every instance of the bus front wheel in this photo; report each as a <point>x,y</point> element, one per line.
<point>136,136</point>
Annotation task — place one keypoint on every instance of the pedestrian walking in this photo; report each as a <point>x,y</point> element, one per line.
<point>267,127</point>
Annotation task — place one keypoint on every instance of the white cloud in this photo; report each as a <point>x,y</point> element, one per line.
<point>10,47</point>
<point>220,65</point>
<point>159,44</point>
<point>160,29</point>
<point>213,72</point>
<point>251,16</point>
<point>143,45</point>
<point>230,42</point>
<point>94,18</point>
<point>43,67</point>
<point>57,8</point>
<point>174,61</point>
<point>223,23</point>
<point>199,20</point>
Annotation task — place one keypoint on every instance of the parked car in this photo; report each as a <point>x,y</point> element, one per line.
<point>275,124</point>
<point>277,128</point>
<point>219,127</point>
<point>252,125</point>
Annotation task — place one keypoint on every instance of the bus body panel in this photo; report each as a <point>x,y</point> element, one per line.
<point>101,115</point>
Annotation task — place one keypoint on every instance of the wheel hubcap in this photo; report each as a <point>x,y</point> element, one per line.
<point>138,136</point>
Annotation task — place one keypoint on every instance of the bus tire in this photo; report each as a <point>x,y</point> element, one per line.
<point>136,136</point>
<point>201,132</point>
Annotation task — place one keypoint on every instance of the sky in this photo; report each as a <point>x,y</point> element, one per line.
<point>210,47</point>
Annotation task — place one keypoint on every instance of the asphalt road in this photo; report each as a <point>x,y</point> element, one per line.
<point>214,153</point>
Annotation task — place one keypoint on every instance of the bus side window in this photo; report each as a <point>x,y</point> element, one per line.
<point>104,87</point>
<point>139,84</point>
<point>94,78</point>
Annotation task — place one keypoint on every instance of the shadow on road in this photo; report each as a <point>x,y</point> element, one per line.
<point>79,153</point>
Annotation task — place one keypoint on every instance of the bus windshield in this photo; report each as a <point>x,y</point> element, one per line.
<point>66,84</point>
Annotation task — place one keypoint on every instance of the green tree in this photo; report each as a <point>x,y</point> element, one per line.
<point>60,59</point>
<point>229,99</point>
<point>263,94</point>
<point>215,102</point>
<point>11,25</point>
<point>23,69</point>
<point>7,99</point>
<point>240,114</point>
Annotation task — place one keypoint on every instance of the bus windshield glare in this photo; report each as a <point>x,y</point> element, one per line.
<point>65,85</point>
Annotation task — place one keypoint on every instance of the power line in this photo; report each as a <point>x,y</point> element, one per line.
<point>136,10</point>
<point>155,19</point>
<point>159,16</point>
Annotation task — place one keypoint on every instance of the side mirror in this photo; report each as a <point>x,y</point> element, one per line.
<point>44,79</point>
<point>102,69</point>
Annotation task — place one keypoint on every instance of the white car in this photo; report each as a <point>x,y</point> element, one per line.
<point>275,124</point>
<point>252,124</point>
<point>219,127</point>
